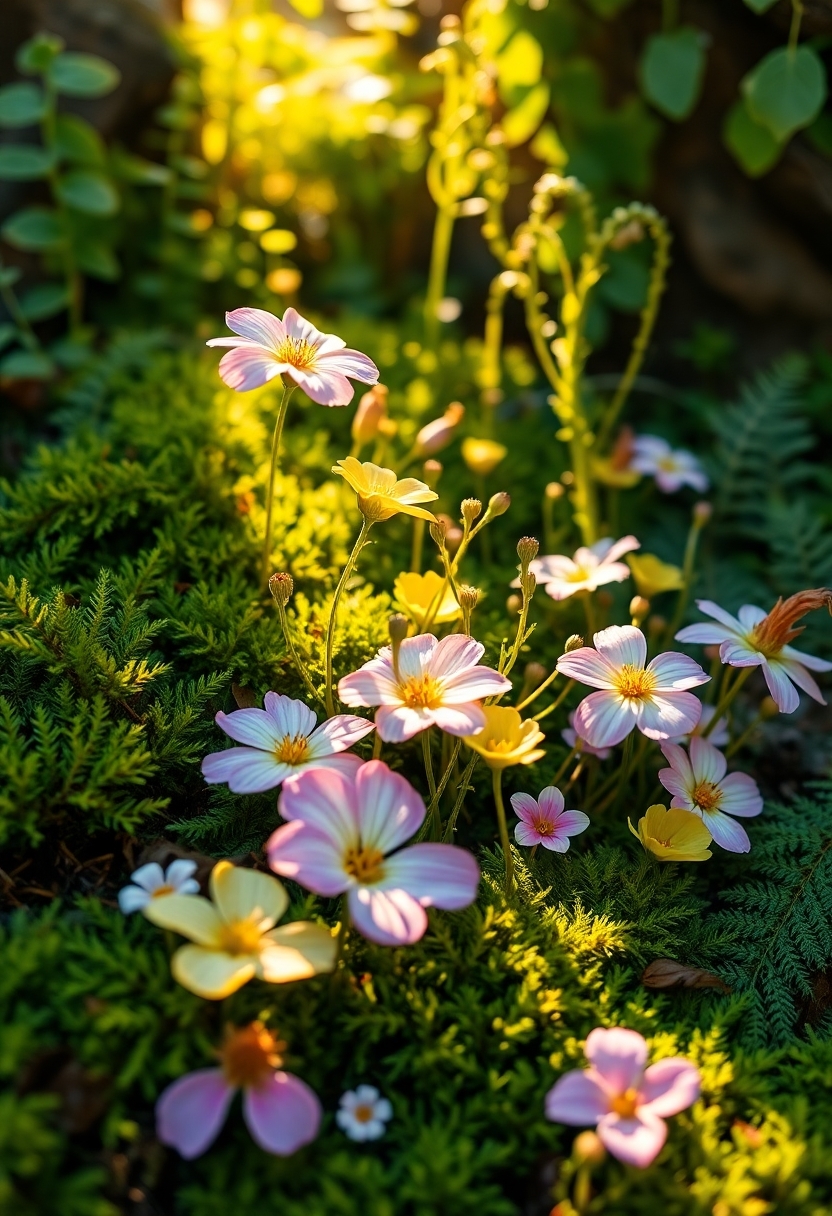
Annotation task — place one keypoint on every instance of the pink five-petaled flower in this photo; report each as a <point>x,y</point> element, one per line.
<point>653,698</point>
<point>671,470</point>
<point>626,1102</point>
<point>434,682</point>
<point>282,740</point>
<point>760,639</point>
<point>544,821</point>
<point>281,1111</point>
<point>268,347</point>
<point>587,570</point>
<point>345,835</point>
<point>698,783</point>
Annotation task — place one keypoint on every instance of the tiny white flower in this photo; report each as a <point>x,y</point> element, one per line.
<point>670,469</point>
<point>363,1113</point>
<point>151,881</point>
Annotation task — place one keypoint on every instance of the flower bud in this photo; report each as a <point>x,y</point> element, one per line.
<point>527,549</point>
<point>371,409</point>
<point>482,455</point>
<point>453,538</point>
<point>438,530</point>
<point>639,607</point>
<point>554,490</point>
<point>498,504</point>
<point>568,478</point>
<point>439,433</point>
<point>769,708</point>
<point>470,509</point>
<point>281,586</point>
<point>573,642</point>
<point>397,627</point>
<point>469,597</point>
<point>702,512</point>
<point>513,605</point>
<point>431,472</point>
<point>587,1147</point>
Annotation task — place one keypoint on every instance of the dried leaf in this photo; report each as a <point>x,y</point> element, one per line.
<point>245,697</point>
<point>667,973</point>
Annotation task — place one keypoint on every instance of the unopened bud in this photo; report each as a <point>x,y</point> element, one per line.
<point>657,624</point>
<point>437,531</point>
<point>431,472</point>
<point>397,627</point>
<point>534,674</point>
<point>568,478</point>
<point>528,583</point>
<point>482,455</point>
<point>281,586</point>
<point>554,490</point>
<point>573,642</point>
<point>769,707</point>
<point>702,512</point>
<point>588,1148</point>
<point>371,409</point>
<point>629,234</point>
<point>470,509</point>
<point>527,549</point>
<point>469,597</point>
<point>388,427</point>
<point>453,538</point>
<point>513,605</point>
<point>639,607</point>
<point>439,433</point>
<point>498,504</point>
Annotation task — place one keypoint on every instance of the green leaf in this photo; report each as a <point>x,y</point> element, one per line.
<point>8,333</point>
<point>139,171</point>
<point>520,63</point>
<point>9,275</point>
<point>35,56</point>
<point>79,75</point>
<point>88,192</point>
<point>760,6</point>
<point>671,71</point>
<point>97,259</point>
<point>546,146</point>
<point>77,140</point>
<point>45,300</point>
<point>27,365</point>
<point>786,90</point>
<point>33,229</point>
<point>22,163</point>
<point>522,122</point>
<point>752,144</point>
<point>21,105</point>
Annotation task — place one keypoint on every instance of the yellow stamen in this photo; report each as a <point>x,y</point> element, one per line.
<point>299,353</point>
<point>543,827</point>
<point>240,937</point>
<point>579,575</point>
<point>292,749</point>
<point>363,1113</point>
<point>625,1104</point>
<point>249,1054</point>
<point>364,864</point>
<point>706,796</point>
<point>165,889</point>
<point>635,683</point>
<point>421,692</point>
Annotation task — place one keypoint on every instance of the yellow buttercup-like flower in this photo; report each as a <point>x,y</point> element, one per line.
<point>673,835</point>
<point>483,455</point>
<point>506,739</point>
<point>234,935</point>
<point>652,576</point>
<point>380,494</point>
<point>418,596</point>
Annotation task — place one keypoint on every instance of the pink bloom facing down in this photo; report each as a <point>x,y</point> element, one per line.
<point>671,470</point>
<point>345,833</point>
<point>653,698</point>
<point>544,821</point>
<point>698,783</point>
<point>571,737</point>
<point>588,569</point>
<point>268,347</point>
<point>281,739</point>
<point>625,1102</point>
<point>437,683</point>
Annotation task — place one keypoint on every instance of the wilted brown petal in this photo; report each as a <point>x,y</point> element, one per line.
<point>667,973</point>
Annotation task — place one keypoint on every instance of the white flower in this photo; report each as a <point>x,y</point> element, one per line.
<point>151,882</point>
<point>363,1113</point>
<point>587,570</point>
<point>671,470</point>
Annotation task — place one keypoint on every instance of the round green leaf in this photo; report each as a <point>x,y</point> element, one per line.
<point>672,68</point>
<point>77,140</point>
<point>45,300</point>
<point>22,163</point>
<point>97,259</point>
<point>89,192</point>
<point>80,75</point>
<point>33,229</point>
<point>35,56</point>
<point>21,105</point>
<point>521,123</point>
<point>786,90</point>
<point>27,365</point>
<point>751,143</point>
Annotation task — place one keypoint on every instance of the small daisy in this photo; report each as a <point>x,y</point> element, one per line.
<point>363,1113</point>
<point>587,570</point>
<point>544,821</point>
<point>151,881</point>
<point>671,470</point>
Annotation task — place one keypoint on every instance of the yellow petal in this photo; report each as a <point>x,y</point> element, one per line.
<point>296,952</point>
<point>210,973</point>
<point>686,830</point>
<point>241,894</point>
<point>405,508</point>
<point>193,916</point>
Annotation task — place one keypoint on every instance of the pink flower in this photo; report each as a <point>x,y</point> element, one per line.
<point>345,835</point>
<point>282,740</point>
<point>653,698</point>
<point>698,783</point>
<point>587,570</point>
<point>268,347</point>
<point>719,736</point>
<point>544,821</point>
<point>571,737</point>
<point>760,639</point>
<point>281,1111</point>
<point>626,1102</point>
<point>436,683</point>
<point>671,470</point>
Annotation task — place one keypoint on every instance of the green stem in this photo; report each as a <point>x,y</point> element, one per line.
<point>428,759</point>
<point>440,254</point>
<point>290,646</point>
<point>463,790</point>
<point>74,282</point>
<point>418,543</point>
<point>443,781</point>
<point>497,785</point>
<point>687,577</point>
<point>330,633</point>
<point>535,693</point>
<point>745,736</point>
<point>550,709</point>
<point>727,699</point>
<point>27,334</point>
<point>288,389</point>
<point>794,29</point>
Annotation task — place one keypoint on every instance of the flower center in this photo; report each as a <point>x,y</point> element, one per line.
<point>165,889</point>
<point>364,864</point>
<point>543,827</point>
<point>240,937</point>
<point>667,464</point>
<point>292,749</point>
<point>500,746</point>
<point>578,575</point>
<point>706,796</point>
<point>296,351</point>
<point>420,692</point>
<point>363,1113</point>
<point>634,682</point>
<point>249,1055</point>
<point>625,1104</point>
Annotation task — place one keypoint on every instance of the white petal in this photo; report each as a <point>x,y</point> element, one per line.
<point>150,876</point>
<point>131,899</point>
<point>708,762</point>
<point>621,644</point>
<point>290,717</point>
<point>780,686</point>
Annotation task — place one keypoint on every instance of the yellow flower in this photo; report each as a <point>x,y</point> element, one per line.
<point>506,739</point>
<point>380,495</point>
<point>418,596</point>
<point>606,470</point>
<point>673,835</point>
<point>234,934</point>
<point>483,455</point>
<point>652,576</point>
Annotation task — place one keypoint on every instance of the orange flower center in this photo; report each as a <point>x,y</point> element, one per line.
<point>296,351</point>
<point>292,749</point>
<point>363,1113</point>
<point>706,796</point>
<point>543,827</point>
<point>364,864</point>
<point>165,889</point>
<point>240,937</point>
<point>625,1104</point>
<point>634,683</point>
<point>250,1054</point>
<point>420,692</point>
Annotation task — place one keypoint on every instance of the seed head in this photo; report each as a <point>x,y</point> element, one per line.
<point>573,642</point>
<point>527,549</point>
<point>281,586</point>
<point>469,597</point>
<point>470,509</point>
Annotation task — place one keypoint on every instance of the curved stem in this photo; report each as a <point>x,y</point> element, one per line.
<point>440,253</point>
<point>288,389</point>
<point>295,657</point>
<point>497,785</point>
<point>436,826</point>
<point>330,633</point>
<point>460,798</point>
<point>726,699</point>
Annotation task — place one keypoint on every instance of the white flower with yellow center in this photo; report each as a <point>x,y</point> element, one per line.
<point>363,1113</point>
<point>152,882</point>
<point>670,469</point>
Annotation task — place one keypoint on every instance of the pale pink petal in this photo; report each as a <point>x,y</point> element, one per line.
<point>739,652</point>
<point>577,1099</point>
<point>727,833</point>
<point>233,343</point>
<point>389,810</point>
<point>707,761</point>
<point>676,785</point>
<point>389,918</point>
<point>253,727</point>
<point>674,670</point>
<point>668,714</point>
<point>669,1087</point>
<point>324,387</point>
<point>677,757</point>
<point>719,614</point>
<point>299,328</point>
<point>326,800</point>
<point>547,569</point>
<point>555,844</point>
<point>282,1114</point>
<point>627,544</point>
<point>635,1141</point>
<point>191,1111</point>
<point>618,1056</point>
<point>349,363</point>
<point>342,762</point>
<point>705,634</point>
<point>605,718</point>
<point>587,666</point>
<point>397,723</point>
<point>563,590</point>
<point>473,685</point>
<point>247,770</point>
<point>461,720</point>
<point>257,325</point>
<point>453,656</point>
<point>651,445</point>
<point>621,644</point>
<point>610,572</point>
<point>291,717</point>
<point>526,835</point>
<point>337,734</point>
<point>416,654</point>
<point>525,806</point>
<point>572,823</point>
<point>438,875</point>
<point>249,367</point>
<point>309,857</point>
<point>550,801</point>
<point>372,684</point>
<point>800,676</point>
<point>740,795</point>
<point>806,660</point>
<point>780,686</point>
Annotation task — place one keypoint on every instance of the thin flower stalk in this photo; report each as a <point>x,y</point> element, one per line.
<point>265,565</point>
<point>346,574</point>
